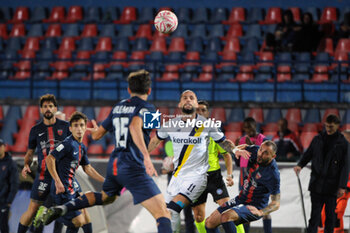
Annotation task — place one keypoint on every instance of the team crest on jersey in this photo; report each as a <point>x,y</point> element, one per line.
<point>258,176</point>
<point>60,132</point>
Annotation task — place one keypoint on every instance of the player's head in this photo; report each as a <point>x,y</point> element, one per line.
<point>332,124</point>
<point>188,102</point>
<point>139,82</point>
<point>249,126</point>
<point>266,152</point>
<point>203,108</point>
<point>282,124</point>
<point>77,125</point>
<point>48,106</point>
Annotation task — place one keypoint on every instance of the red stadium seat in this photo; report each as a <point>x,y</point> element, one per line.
<point>237,15</point>
<point>245,73</point>
<point>32,113</point>
<point>128,15</point>
<point>329,111</point>
<point>270,129</point>
<point>326,45</point>
<point>68,110</point>
<point>294,127</point>
<point>206,75</point>
<point>159,45</point>
<point>18,30</point>
<point>235,30</point>
<point>310,127</point>
<point>21,144</point>
<point>103,114</point>
<point>231,46</point>
<point>99,71</point>
<point>110,149</point>
<point>3,31</point>
<point>95,149</point>
<point>75,14</point>
<point>32,43</point>
<point>177,44</point>
<point>90,30</point>
<point>228,59</point>
<point>82,55</point>
<point>234,127</point>
<point>219,114</point>
<point>57,15</point>
<point>158,34</point>
<point>296,13</point>
<point>138,57</point>
<point>232,135</point>
<point>266,59</point>
<point>192,58</point>
<point>293,115</point>
<point>306,138</point>
<point>121,56</point>
<point>21,14</point>
<point>144,31</point>
<point>329,14</point>
<point>283,73</point>
<point>343,45</point>
<point>320,74</point>
<point>273,16</point>
<point>68,43</point>
<point>257,114</point>
<point>340,56</point>
<point>54,30</point>
<point>104,44</point>
<point>171,73</point>
<point>23,71</point>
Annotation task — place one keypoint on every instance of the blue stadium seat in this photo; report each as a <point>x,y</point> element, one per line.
<point>255,14</point>
<point>226,73</point>
<point>122,44</point>
<point>236,115</point>
<point>199,30</point>
<point>214,45</point>
<point>126,30</point>
<point>251,45</point>
<point>181,31</point>
<point>146,15</point>
<point>5,14</point>
<point>10,124</point>
<point>219,15</point>
<point>322,59</point>
<point>300,76</point>
<point>38,14</point>
<point>108,30</point>
<point>174,57</point>
<point>92,15</point>
<point>253,30</point>
<point>312,115</point>
<point>184,15</point>
<point>264,73</point>
<point>270,28</point>
<point>102,56</point>
<point>71,30</point>
<point>200,15</point>
<point>273,115</point>
<point>314,11</point>
<point>216,30</point>
<point>115,72</point>
<point>284,58</point>
<point>196,44</point>
<point>35,30</point>
<point>89,112</point>
<point>49,44</point>
<point>86,44</point>
<point>14,43</point>
<point>210,57</point>
<point>248,58</point>
<point>110,14</point>
<point>79,72</point>
<point>140,44</point>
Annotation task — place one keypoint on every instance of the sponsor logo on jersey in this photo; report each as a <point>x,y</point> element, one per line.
<point>189,140</point>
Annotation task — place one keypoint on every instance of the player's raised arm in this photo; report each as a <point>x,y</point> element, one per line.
<point>90,171</point>
<point>51,166</point>
<point>136,133</point>
<point>97,132</point>
<point>228,146</point>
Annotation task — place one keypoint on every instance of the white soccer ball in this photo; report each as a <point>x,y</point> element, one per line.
<point>165,21</point>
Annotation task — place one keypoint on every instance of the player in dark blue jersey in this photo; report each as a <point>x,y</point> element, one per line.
<point>261,181</point>
<point>62,164</point>
<point>43,138</point>
<point>130,165</point>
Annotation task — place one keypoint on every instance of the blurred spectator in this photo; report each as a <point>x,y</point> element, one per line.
<point>285,32</point>
<point>288,145</point>
<point>344,29</point>
<point>329,172</point>
<point>8,184</point>
<point>307,35</point>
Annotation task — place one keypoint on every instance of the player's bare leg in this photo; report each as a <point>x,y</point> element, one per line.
<point>199,217</point>
<point>175,206</point>
<point>28,216</point>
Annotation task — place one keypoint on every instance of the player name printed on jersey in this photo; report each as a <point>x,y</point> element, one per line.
<point>190,123</point>
<point>121,109</point>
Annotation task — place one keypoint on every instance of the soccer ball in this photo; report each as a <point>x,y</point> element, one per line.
<point>165,21</point>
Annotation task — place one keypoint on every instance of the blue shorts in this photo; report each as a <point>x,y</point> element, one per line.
<point>63,198</point>
<point>244,214</point>
<point>41,189</point>
<point>141,185</point>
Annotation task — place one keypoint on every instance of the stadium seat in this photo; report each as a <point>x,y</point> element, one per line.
<point>235,30</point>
<point>237,15</point>
<point>74,14</point>
<point>54,30</point>
<point>184,15</point>
<point>340,58</point>
<point>122,44</point>
<point>20,16</point>
<point>49,44</point>
<point>103,113</point>
<point>110,14</point>
<point>270,129</point>
<point>119,57</point>
<point>314,11</point>
<point>146,15</point>
<point>329,111</point>
<point>207,73</point>
<point>18,30</point>
<point>234,127</point>
<point>296,13</point>
<point>38,15</point>
<point>22,137</point>
<point>181,31</point>
<point>196,45</point>
<point>92,15</point>
<point>200,15</point>
<point>31,113</point>
<point>85,44</point>
<point>3,31</point>
<point>343,45</point>
<point>140,44</point>
<point>284,73</point>
<point>329,14</point>
<point>159,45</point>
<point>126,30</point>
<point>265,59</point>
<point>273,16</point>
<point>104,44</point>
<point>177,44</point>
<point>10,123</point>
<point>72,30</point>
<point>218,113</point>
<point>346,118</point>
<point>273,115</point>
<point>255,15</point>
<point>36,30</point>
<point>231,46</point>
<point>5,14</point>
<point>145,31</point>
<point>257,114</point>
<point>23,69</point>
<point>95,149</point>
<point>199,30</point>
<point>306,138</point>
<point>294,127</point>
<point>326,45</point>
<point>253,30</point>
<point>32,43</point>
<point>312,116</point>
<point>216,30</point>
<point>219,15</point>
<point>320,73</point>
<point>251,45</point>
<point>310,127</point>
<point>108,30</point>
<point>67,43</point>
<point>245,73</point>
<point>171,73</point>
<point>57,15</point>
<point>137,57</point>
<point>128,15</point>
<point>233,136</point>
<point>214,45</point>
<point>89,30</point>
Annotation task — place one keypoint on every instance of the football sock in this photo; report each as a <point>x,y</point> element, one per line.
<point>200,226</point>
<point>164,225</point>
<point>229,227</point>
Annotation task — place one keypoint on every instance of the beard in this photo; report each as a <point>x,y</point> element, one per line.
<point>188,111</point>
<point>48,115</point>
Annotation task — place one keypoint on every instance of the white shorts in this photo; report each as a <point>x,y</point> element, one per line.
<point>190,186</point>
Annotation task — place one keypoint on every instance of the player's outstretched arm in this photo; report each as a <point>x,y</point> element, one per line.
<point>90,171</point>
<point>51,166</point>
<point>28,159</point>
<point>228,164</point>
<point>272,206</point>
<point>153,144</point>
<point>97,132</point>
<point>135,128</point>
<point>228,146</point>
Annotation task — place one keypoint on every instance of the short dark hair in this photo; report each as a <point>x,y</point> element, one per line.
<point>48,98</point>
<point>139,82</point>
<point>271,144</point>
<point>331,118</point>
<point>250,120</point>
<point>203,102</point>
<point>76,116</point>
